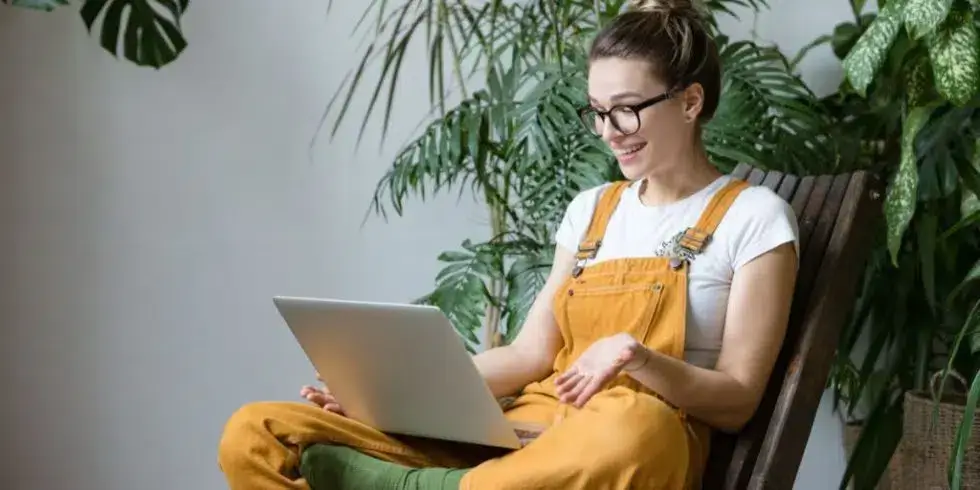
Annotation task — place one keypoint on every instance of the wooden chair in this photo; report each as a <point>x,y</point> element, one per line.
<point>837,215</point>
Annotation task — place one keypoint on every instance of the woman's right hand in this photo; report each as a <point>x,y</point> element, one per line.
<point>321,397</point>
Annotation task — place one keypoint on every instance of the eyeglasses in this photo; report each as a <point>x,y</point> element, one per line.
<point>625,118</point>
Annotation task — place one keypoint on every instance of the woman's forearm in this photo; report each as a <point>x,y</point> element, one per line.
<point>755,326</point>
<point>507,370</point>
<point>712,396</point>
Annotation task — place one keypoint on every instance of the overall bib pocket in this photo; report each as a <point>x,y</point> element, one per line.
<point>632,307</point>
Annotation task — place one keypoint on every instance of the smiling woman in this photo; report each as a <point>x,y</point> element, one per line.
<point>660,321</point>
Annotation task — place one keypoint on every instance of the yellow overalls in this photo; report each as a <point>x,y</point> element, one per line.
<point>625,437</point>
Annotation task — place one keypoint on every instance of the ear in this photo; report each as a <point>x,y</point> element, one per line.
<point>693,101</point>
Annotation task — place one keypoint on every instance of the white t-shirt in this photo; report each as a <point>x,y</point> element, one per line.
<point>758,221</point>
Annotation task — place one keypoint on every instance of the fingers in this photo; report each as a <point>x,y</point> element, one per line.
<point>587,390</point>
<point>578,388</point>
<point>567,377</point>
<point>569,390</point>
<point>324,401</point>
<point>566,382</point>
<point>334,407</point>
<point>311,388</point>
<point>314,395</point>
<point>564,377</point>
<point>319,397</point>
<point>306,390</point>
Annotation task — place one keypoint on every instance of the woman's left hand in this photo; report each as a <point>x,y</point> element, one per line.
<point>600,363</point>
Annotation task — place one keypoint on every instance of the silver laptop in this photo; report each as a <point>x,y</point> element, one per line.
<point>401,369</point>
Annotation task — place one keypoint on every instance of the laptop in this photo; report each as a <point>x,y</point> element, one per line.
<point>401,369</point>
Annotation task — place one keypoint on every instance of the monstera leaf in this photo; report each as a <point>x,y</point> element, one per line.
<point>150,35</point>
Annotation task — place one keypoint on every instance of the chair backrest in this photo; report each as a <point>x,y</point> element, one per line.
<point>837,215</point>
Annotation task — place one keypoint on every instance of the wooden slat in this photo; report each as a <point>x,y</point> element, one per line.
<point>815,227</point>
<point>747,444</point>
<point>772,180</point>
<point>820,237</point>
<point>843,257</point>
<point>755,176</point>
<point>802,194</point>
<point>811,211</point>
<point>720,462</point>
<point>741,171</point>
<point>788,186</point>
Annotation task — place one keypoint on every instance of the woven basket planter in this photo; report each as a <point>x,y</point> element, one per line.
<point>927,446</point>
<point>851,433</point>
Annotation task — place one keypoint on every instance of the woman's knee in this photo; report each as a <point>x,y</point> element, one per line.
<point>646,428</point>
<point>244,428</point>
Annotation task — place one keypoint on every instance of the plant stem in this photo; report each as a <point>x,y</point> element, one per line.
<point>491,325</point>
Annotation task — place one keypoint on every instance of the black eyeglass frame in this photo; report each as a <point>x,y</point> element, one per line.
<point>635,108</point>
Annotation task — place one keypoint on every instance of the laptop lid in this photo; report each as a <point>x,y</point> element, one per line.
<point>399,368</point>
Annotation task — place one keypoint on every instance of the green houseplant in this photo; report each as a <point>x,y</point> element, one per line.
<point>150,36</point>
<point>505,82</point>
<point>909,108</point>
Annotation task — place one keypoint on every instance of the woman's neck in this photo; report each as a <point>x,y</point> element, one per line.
<point>678,182</point>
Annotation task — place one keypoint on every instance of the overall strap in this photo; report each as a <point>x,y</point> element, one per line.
<point>697,237</point>
<point>589,246</point>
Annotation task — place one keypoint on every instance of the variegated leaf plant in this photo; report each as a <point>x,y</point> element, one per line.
<point>945,33</point>
<point>911,100</point>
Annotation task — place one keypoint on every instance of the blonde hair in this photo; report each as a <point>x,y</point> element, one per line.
<point>672,35</point>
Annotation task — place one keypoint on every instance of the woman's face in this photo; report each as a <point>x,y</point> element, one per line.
<point>652,139</point>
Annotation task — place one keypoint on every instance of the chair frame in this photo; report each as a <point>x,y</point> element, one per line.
<point>837,216</point>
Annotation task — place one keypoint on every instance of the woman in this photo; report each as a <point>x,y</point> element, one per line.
<point>661,318</point>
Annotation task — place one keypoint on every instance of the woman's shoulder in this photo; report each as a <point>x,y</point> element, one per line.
<point>758,221</point>
<point>759,202</point>
<point>585,200</point>
<point>578,214</point>
<point>592,193</point>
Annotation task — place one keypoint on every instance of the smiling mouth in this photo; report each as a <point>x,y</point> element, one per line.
<point>621,152</point>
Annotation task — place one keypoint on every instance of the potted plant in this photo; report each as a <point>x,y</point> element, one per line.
<point>910,104</point>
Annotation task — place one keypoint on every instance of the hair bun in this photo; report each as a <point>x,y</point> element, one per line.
<point>672,8</point>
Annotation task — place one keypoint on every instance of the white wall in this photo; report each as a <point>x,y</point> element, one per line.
<point>149,216</point>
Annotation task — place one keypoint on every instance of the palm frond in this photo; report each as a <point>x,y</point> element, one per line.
<point>526,276</point>
<point>449,153</point>
<point>461,290</point>
<point>463,285</point>
<point>767,116</point>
